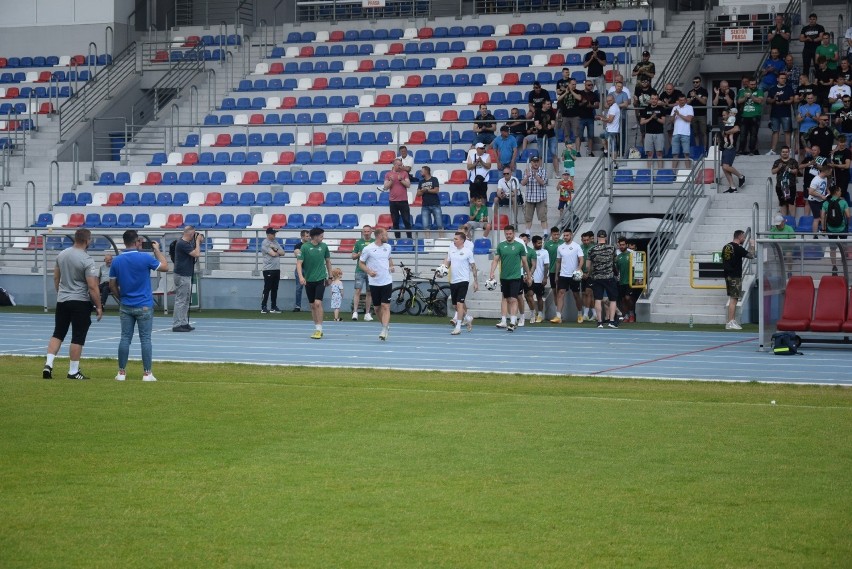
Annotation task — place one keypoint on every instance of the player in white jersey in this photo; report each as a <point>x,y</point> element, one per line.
<point>468,244</point>
<point>376,261</point>
<point>539,278</point>
<point>462,266</point>
<point>569,258</point>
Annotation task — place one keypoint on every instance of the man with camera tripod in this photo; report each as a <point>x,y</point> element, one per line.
<point>187,252</point>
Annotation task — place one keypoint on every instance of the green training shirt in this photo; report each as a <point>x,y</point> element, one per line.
<point>313,261</point>
<point>510,259</point>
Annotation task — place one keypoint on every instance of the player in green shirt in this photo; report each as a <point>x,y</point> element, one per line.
<point>551,246</point>
<point>361,276</point>
<point>622,261</point>
<point>313,266</point>
<point>512,256</point>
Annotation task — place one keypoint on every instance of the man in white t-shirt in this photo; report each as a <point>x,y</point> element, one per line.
<point>478,162</point>
<point>407,161</point>
<point>682,130</point>
<point>376,261</point>
<point>468,244</point>
<point>509,193</point>
<point>569,258</point>
<point>462,266</point>
<point>611,122</point>
<point>539,277</point>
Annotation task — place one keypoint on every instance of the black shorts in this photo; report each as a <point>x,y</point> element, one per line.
<point>381,294</point>
<point>458,291</point>
<point>538,289</point>
<point>510,287</point>
<point>585,284</point>
<point>524,286</point>
<point>836,235</point>
<point>552,277</point>
<point>599,286</point>
<point>568,283</point>
<point>788,199</point>
<point>315,290</point>
<point>624,290</point>
<point>76,314</point>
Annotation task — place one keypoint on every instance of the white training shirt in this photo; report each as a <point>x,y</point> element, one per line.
<point>542,259</point>
<point>479,170</point>
<point>615,125</point>
<point>681,126</point>
<point>377,259</point>
<point>460,264</point>
<point>569,254</point>
<point>468,244</point>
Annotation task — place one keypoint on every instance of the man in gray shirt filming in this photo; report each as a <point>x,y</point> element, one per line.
<point>271,250</point>
<point>75,277</point>
<point>187,251</point>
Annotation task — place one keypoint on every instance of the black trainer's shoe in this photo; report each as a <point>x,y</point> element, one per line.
<point>78,375</point>
<point>47,372</point>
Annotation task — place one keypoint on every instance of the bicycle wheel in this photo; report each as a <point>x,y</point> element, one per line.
<point>442,301</point>
<point>400,300</point>
<point>415,307</point>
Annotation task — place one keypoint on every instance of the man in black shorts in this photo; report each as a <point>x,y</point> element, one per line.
<point>75,277</point>
<point>376,261</point>
<point>602,268</point>
<point>313,267</point>
<point>732,267</point>
<point>512,256</point>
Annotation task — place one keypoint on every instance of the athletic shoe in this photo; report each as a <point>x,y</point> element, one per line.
<point>580,319</point>
<point>588,319</point>
<point>275,310</point>
<point>338,319</point>
<point>264,311</point>
<point>149,377</point>
<point>600,324</point>
<point>297,309</point>
<point>383,335</point>
<point>355,316</point>
<point>521,321</point>
<point>511,327</point>
<point>755,152</point>
<point>501,324</point>
<point>121,376</point>
<point>731,191</point>
<point>613,324</point>
<point>556,319</point>
<point>47,372</point>
<point>316,335</point>
<point>78,375</point>
<point>181,329</point>
<point>368,318</point>
<point>453,322</point>
<point>742,181</point>
<point>539,319</point>
<point>834,270</point>
<point>631,318</point>
<point>771,152</point>
<point>189,328</point>
<point>735,325</point>
<point>456,331</point>
<point>468,322</point>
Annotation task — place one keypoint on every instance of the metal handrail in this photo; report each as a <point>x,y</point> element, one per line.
<point>54,165</point>
<point>684,51</point>
<point>275,22</point>
<point>5,227</point>
<point>793,7</point>
<point>27,206</point>
<point>675,219</point>
<point>585,197</point>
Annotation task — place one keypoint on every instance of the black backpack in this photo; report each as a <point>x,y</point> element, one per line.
<point>786,344</point>
<point>834,216</point>
<point>172,246</point>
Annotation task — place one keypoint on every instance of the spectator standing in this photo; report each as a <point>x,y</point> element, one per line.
<point>187,252</point>
<point>517,126</point>
<point>837,92</point>
<point>834,218</point>
<point>602,269</point>
<point>430,212</point>
<point>843,119</point>
<point>586,112</point>
<point>829,51</point>
<point>697,99</point>
<point>781,113</point>
<point>272,252</point>
<point>569,258</point>
<point>545,122</point>
<point>569,159</point>
<point>537,96</point>
<point>806,117</point>
<point>462,265</point>
<point>130,281</point>
<point>565,187</point>
<point>407,161</point>
<point>611,123</point>
<point>103,278</point>
<point>732,266</point>
<point>313,263</point>
<point>818,192</point>
<point>803,89</point>
<point>535,181</point>
<point>682,115</point>
<point>75,279</point>
<point>512,256</point>
<point>303,238</point>
<point>809,167</point>
<point>669,98</point>
<point>724,98</point>
<point>625,292</point>
<point>653,118</point>
<point>641,98</point>
<point>824,78</point>
<point>594,62</point>
<point>848,37</point>
<point>773,65</point>
<point>539,279</point>
<point>779,36</point>
<point>751,98</point>
<point>396,184</point>
<point>645,69</point>
<point>728,156</point>
<point>568,107</point>
<point>361,282</point>
<point>785,170</point>
<point>377,262</point>
<point>622,99</point>
<point>507,148</point>
<point>822,135</point>
<point>485,126</point>
<point>841,161</point>
<point>478,164</point>
<point>810,35</point>
<point>792,70</point>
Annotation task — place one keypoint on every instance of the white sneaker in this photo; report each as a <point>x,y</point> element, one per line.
<point>368,318</point>
<point>121,376</point>
<point>735,325</point>
<point>149,377</point>
<point>383,335</point>
<point>501,324</point>
<point>521,321</point>
<point>456,331</point>
<point>354,316</point>
<point>771,153</point>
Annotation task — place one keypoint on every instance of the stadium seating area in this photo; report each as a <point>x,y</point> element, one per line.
<point>831,313</point>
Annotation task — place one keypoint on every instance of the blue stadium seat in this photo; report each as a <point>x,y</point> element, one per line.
<point>230,199</point>
<point>351,199</point>
<point>131,199</point>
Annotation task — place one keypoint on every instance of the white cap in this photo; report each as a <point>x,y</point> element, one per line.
<point>778,219</point>
<point>480,145</point>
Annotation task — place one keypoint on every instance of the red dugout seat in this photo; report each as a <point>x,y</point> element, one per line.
<point>830,307</point>
<point>798,304</point>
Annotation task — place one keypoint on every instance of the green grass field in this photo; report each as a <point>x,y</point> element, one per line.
<point>250,466</point>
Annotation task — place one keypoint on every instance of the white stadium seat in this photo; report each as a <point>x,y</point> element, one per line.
<point>397,81</point>
<point>233,178</point>
<point>335,118</point>
<point>136,179</point>
<point>380,49</point>
<point>270,157</point>
<point>272,103</point>
<point>298,199</point>
<point>174,159</point>
<point>501,30</point>
<point>493,78</point>
<point>259,221</point>
<point>292,51</point>
<point>322,36</point>
<point>195,199</point>
<point>472,46</point>
<point>261,68</point>
<point>370,157</point>
<point>334,178</point>
<point>443,63</point>
<point>464,99</point>
<point>539,60</point>
<point>433,116</point>
<point>59,219</point>
<point>157,220</point>
<point>241,120</point>
<point>409,34</point>
<point>207,139</point>
<point>596,27</point>
<point>569,42</point>
<point>305,84</point>
<point>366,101</point>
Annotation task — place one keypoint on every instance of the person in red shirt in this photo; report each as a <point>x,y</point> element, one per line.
<point>397,184</point>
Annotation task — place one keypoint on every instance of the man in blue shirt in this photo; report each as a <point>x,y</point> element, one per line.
<point>506,147</point>
<point>130,281</point>
<point>771,68</point>
<point>807,117</point>
<point>780,116</point>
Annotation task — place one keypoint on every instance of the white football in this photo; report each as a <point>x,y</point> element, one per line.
<point>442,271</point>
<point>490,284</point>
<point>577,275</point>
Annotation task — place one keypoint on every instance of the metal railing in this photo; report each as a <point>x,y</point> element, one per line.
<point>179,76</point>
<point>681,56</point>
<point>335,10</point>
<point>483,7</point>
<point>678,216</point>
<point>99,88</point>
<point>793,8</point>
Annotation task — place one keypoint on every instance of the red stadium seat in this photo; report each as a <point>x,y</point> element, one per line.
<point>517,30</point>
<point>480,98</point>
<point>346,245</point>
<point>798,304</point>
<point>213,199</point>
<point>257,118</point>
<point>449,115</point>
<point>319,139</point>
<point>413,81</point>
<point>288,103</point>
<point>351,117</point>
<point>45,108</point>
<point>418,201</point>
<point>366,65</point>
<point>336,35</point>
<point>459,63</point>
<point>584,42</point>
<point>351,178</point>
<point>320,83</point>
<point>556,59</point>
<point>192,41</point>
<point>488,45</point>
<point>44,77</point>
<point>384,221</point>
<point>12,92</point>
<point>223,140</point>
<point>386,157</point>
<point>608,76</point>
<point>613,26</point>
<point>425,33</point>
<point>75,220</point>
<point>395,49</point>
<point>174,221</point>
<point>830,309</point>
<point>115,198</point>
<point>315,199</point>
<point>306,51</point>
<point>78,60</point>
<point>190,159</point>
<point>382,100</point>
<point>458,177</point>
<point>275,69</point>
<point>249,178</point>
<point>153,179</point>
<point>847,325</point>
<point>238,244</point>
<point>510,79</point>
<point>161,56</point>
<point>278,220</point>
<point>286,158</point>
<point>417,137</point>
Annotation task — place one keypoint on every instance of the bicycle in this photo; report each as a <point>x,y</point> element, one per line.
<point>414,297</point>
